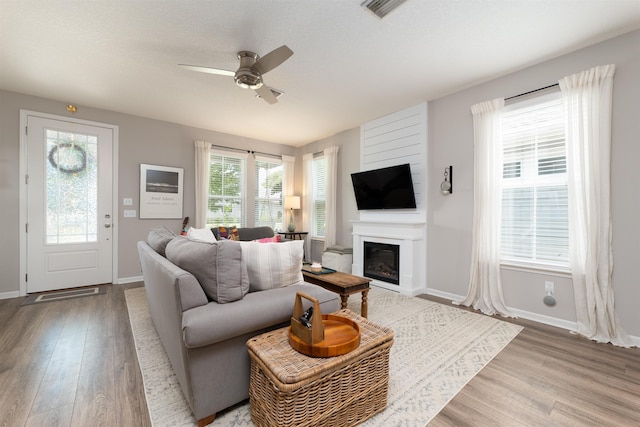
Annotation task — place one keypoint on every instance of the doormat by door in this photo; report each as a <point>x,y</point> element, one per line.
<point>65,294</point>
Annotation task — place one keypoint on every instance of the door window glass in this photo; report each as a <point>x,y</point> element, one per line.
<point>72,195</point>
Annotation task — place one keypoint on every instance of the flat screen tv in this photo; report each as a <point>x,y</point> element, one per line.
<point>386,188</point>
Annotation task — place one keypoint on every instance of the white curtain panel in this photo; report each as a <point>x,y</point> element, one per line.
<point>288,176</point>
<point>203,150</point>
<point>331,194</point>
<point>588,98</point>
<point>485,285</point>
<point>307,198</point>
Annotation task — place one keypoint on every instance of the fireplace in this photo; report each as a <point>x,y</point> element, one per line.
<point>382,262</point>
<point>408,237</point>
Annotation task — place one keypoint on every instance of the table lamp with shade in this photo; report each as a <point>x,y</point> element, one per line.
<point>291,203</point>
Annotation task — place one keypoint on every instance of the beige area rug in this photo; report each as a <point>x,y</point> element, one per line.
<point>437,350</point>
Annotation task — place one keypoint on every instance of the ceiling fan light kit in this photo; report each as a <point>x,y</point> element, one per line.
<point>246,77</point>
<point>251,69</point>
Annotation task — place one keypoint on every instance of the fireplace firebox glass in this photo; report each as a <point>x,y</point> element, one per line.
<point>382,262</point>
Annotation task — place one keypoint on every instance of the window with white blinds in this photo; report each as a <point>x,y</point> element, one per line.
<point>535,219</point>
<point>227,183</point>
<point>318,221</point>
<point>268,194</point>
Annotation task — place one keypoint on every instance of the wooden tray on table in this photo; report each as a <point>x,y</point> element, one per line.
<point>330,335</point>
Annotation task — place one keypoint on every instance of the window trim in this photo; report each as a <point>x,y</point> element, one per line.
<point>273,160</point>
<point>521,264</point>
<point>243,192</point>
<point>539,268</point>
<point>312,231</point>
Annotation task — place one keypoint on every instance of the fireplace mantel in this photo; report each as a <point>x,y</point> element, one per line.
<point>410,236</point>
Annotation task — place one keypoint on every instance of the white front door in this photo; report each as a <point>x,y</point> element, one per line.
<point>69,184</point>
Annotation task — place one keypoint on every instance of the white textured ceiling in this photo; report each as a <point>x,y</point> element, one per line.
<point>348,66</point>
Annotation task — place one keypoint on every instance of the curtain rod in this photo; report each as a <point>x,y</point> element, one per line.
<point>257,152</point>
<point>247,151</point>
<point>532,91</point>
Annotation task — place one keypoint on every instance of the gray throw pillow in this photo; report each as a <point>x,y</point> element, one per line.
<point>158,239</point>
<point>218,267</point>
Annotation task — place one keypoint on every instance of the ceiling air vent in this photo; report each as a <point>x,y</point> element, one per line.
<point>381,8</point>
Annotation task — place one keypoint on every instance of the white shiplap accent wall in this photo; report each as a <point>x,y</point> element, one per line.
<point>396,139</point>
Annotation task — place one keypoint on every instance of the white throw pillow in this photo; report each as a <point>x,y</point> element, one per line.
<point>273,265</point>
<point>201,235</point>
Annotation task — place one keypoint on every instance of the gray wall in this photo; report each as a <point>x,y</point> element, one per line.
<point>450,217</point>
<point>140,141</point>
<point>348,162</point>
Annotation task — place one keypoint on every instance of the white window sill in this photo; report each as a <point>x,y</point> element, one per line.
<point>546,269</point>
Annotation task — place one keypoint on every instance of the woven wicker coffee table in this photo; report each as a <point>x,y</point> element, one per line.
<point>288,388</point>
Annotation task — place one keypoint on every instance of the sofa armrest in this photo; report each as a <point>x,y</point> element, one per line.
<point>159,271</point>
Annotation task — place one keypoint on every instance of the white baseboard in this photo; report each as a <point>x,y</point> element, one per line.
<point>7,295</point>
<point>124,280</point>
<point>547,320</point>
<point>540,318</point>
<point>445,295</point>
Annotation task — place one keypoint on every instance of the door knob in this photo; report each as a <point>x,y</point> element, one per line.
<point>107,225</point>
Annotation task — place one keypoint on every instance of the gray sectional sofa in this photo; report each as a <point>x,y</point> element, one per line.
<point>210,300</point>
<point>248,233</point>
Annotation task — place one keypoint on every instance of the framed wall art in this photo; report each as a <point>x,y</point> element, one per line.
<point>161,192</point>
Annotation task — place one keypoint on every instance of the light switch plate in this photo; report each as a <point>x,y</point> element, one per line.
<point>127,201</point>
<point>129,213</point>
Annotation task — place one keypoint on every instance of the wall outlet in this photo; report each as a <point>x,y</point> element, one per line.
<point>549,287</point>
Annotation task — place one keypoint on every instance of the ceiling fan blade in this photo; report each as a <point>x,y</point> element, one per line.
<point>208,70</point>
<point>272,59</point>
<point>265,93</point>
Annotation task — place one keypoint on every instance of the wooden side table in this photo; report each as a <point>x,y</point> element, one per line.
<point>294,235</point>
<point>343,284</point>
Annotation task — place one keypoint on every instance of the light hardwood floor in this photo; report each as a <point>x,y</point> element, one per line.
<point>69,363</point>
<point>73,363</point>
<point>549,377</point>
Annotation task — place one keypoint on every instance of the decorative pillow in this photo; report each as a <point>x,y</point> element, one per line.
<point>234,234</point>
<point>218,267</point>
<point>274,239</point>
<point>223,233</point>
<point>200,235</point>
<point>273,265</point>
<point>158,239</point>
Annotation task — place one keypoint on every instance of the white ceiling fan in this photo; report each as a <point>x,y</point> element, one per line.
<point>252,67</point>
